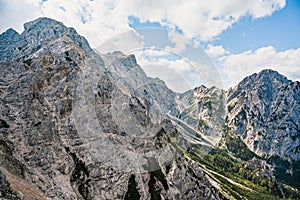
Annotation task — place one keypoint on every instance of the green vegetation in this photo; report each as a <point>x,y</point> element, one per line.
<point>228,165</point>
<point>241,191</point>
<point>233,167</point>
<point>287,172</point>
<point>236,146</point>
<point>230,107</point>
<point>202,124</point>
<point>225,167</point>
<point>27,63</point>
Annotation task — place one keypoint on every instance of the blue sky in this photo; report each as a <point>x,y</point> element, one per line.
<point>278,32</point>
<point>281,30</point>
<point>236,37</point>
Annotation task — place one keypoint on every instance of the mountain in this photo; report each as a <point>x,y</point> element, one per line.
<point>254,122</point>
<point>264,110</point>
<point>203,109</point>
<point>77,124</point>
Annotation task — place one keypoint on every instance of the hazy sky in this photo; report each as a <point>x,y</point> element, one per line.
<point>240,37</point>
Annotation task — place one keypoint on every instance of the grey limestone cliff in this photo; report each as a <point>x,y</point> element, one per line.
<point>45,144</point>
<point>264,109</point>
<point>75,124</point>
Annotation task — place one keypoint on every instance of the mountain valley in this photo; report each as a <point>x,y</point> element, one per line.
<point>77,124</point>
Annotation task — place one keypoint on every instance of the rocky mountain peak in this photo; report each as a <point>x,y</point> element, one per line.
<point>7,42</point>
<point>267,76</point>
<point>262,107</point>
<point>43,22</point>
<point>9,35</point>
<point>126,61</point>
<point>42,32</point>
<point>271,77</point>
<point>75,124</point>
<point>265,84</point>
<point>51,82</point>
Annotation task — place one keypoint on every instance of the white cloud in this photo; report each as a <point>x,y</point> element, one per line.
<point>154,52</point>
<point>236,66</point>
<point>216,51</point>
<point>200,18</point>
<point>181,74</point>
<point>106,18</point>
<point>15,13</point>
<point>97,20</point>
<point>180,65</point>
<point>180,42</point>
<point>128,42</point>
<point>100,20</point>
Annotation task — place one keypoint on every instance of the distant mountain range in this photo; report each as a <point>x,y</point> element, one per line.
<point>76,124</point>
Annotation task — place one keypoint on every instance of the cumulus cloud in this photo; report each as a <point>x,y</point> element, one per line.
<point>168,75</point>
<point>200,18</point>
<point>180,42</point>
<point>154,52</point>
<point>234,67</point>
<point>216,51</point>
<point>102,19</point>
<point>128,42</point>
<point>180,74</point>
<point>99,21</point>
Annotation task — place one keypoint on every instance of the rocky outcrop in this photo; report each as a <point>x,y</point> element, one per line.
<point>78,125</point>
<point>264,110</point>
<point>75,124</point>
<point>203,109</point>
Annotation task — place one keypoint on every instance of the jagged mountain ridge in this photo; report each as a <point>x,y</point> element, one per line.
<point>37,34</point>
<point>264,110</point>
<point>41,143</point>
<point>258,118</point>
<point>50,57</point>
<point>256,109</point>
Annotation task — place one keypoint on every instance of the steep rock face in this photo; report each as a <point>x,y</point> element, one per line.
<point>142,86</point>
<point>43,141</point>
<point>203,109</point>
<point>7,41</point>
<point>37,37</point>
<point>35,102</point>
<point>78,125</point>
<point>264,110</point>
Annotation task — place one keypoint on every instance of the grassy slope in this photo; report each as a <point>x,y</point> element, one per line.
<point>226,166</point>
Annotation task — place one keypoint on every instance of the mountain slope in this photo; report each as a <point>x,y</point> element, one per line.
<point>45,143</point>
<point>259,102</point>
<point>75,124</point>
<point>264,110</point>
